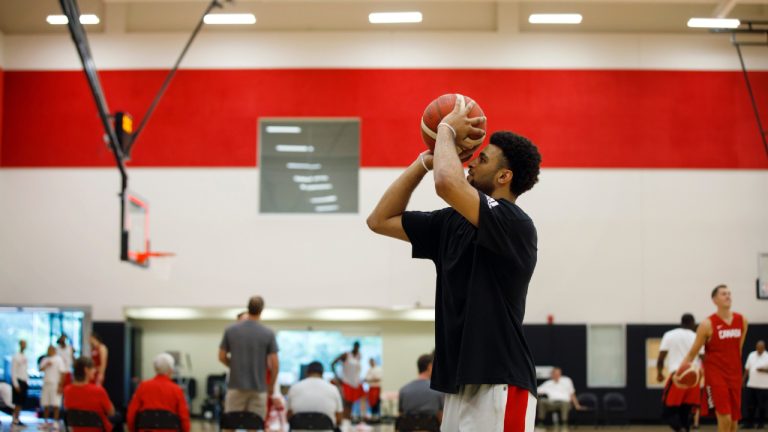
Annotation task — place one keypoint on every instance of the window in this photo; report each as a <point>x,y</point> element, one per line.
<point>299,348</point>
<point>606,356</point>
<point>309,166</point>
<point>40,327</point>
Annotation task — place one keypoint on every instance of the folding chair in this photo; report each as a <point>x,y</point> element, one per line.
<point>157,419</point>
<point>417,422</point>
<point>312,421</point>
<point>241,420</point>
<point>80,418</point>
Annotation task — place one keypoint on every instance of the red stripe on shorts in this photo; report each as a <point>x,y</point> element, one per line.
<point>517,407</point>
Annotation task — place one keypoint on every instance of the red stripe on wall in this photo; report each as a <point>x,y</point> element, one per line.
<point>208,118</point>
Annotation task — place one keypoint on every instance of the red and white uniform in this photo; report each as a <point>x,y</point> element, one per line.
<point>489,408</point>
<point>351,387</point>
<point>722,367</point>
<point>677,343</point>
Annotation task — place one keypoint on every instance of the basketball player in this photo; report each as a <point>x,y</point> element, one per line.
<point>351,385</point>
<point>678,402</point>
<point>484,250</point>
<point>722,335</point>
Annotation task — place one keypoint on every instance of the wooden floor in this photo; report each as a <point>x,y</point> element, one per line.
<point>33,425</point>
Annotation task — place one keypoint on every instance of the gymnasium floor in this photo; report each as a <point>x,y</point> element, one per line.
<point>203,426</point>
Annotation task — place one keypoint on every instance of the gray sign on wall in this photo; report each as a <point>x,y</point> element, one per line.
<point>309,165</point>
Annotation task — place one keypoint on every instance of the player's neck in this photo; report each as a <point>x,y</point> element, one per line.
<point>725,313</point>
<point>504,193</point>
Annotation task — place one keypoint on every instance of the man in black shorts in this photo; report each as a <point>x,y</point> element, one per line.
<point>484,250</point>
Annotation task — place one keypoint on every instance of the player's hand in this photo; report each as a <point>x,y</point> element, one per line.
<point>466,154</point>
<point>684,365</point>
<point>660,377</point>
<point>463,125</point>
<point>277,402</point>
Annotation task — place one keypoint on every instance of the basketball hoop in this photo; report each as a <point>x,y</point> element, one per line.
<point>142,258</point>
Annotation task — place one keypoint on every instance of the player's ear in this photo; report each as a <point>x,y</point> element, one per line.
<point>504,176</point>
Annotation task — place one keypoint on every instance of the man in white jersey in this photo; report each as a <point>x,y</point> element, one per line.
<point>53,367</point>
<point>351,385</point>
<point>678,402</point>
<point>756,376</point>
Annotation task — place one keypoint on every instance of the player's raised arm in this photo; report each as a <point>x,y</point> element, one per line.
<point>450,183</point>
<point>386,217</point>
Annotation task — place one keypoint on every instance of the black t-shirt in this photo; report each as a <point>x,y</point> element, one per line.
<point>482,282</point>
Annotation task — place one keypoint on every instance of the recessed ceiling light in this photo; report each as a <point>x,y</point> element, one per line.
<point>283,129</point>
<point>569,18</point>
<point>238,18</point>
<point>394,17</point>
<point>713,23</point>
<point>85,19</point>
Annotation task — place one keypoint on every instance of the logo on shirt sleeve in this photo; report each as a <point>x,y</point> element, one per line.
<point>491,202</point>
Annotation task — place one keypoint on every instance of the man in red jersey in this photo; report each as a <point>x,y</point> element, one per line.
<point>722,335</point>
<point>159,393</point>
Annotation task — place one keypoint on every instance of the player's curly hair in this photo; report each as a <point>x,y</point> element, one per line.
<point>522,157</point>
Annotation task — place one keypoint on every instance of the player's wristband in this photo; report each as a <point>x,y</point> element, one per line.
<point>424,164</point>
<point>449,127</point>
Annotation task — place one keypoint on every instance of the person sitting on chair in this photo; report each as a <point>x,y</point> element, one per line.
<point>560,394</point>
<point>82,395</point>
<point>160,393</point>
<point>417,397</point>
<point>314,394</point>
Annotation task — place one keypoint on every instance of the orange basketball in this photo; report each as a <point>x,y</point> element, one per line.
<point>686,378</point>
<point>441,107</point>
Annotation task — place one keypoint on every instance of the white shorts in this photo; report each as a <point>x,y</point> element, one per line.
<point>489,408</point>
<point>50,396</point>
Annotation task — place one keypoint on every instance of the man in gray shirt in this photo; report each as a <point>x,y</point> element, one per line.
<point>416,397</point>
<point>249,350</point>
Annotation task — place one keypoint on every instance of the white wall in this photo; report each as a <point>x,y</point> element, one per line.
<point>402,344</point>
<point>624,245</point>
<point>695,51</point>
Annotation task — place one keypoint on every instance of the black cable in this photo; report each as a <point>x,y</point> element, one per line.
<point>752,97</point>
<point>172,72</point>
<point>89,67</point>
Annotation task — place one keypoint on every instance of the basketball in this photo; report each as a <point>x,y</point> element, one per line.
<point>686,378</point>
<point>441,107</point>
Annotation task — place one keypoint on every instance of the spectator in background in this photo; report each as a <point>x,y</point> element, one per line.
<point>248,349</point>
<point>756,374</point>
<point>560,395</point>
<point>159,393</point>
<point>314,394</point>
<point>351,385</point>
<point>678,402</point>
<point>67,354</point>
<point>417,397</point>
<point>53,368</point>
<point>84,395</point>
<point>99,356</point>
<point>19,381</point>
<point>373,378</point>
<point>242,316</point>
